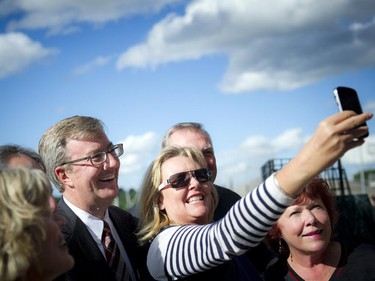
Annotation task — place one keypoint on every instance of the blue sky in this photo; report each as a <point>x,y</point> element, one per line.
<point>258,74</point>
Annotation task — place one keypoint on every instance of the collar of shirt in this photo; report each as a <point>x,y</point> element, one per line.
<point>94,225</point>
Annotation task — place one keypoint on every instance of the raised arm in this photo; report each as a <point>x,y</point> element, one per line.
<point>334,136</point>
<point>185,250</point>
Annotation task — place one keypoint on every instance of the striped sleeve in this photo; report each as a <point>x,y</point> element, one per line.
<point>181,251</point>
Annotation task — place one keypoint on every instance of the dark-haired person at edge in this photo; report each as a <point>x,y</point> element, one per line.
<point>14,155</point>
<point>178,200</point>
<point>303,236</point>
<point>84,165</point>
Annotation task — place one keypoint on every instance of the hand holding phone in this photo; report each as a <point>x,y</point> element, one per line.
<point>347,99</point>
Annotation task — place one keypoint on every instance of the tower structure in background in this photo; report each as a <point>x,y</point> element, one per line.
<point>335,175</point>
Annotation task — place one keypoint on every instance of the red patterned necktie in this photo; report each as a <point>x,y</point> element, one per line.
<point>113,256</point>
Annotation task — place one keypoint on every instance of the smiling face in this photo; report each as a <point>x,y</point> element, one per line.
<point>306,227</point>
<point>186,205</point>
<point>90,187</point>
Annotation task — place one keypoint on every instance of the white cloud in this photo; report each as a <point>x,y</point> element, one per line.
<point>361,155</point>
<point>62,16</point>
<point>18,51</point>
<point>239,166</point>
<point>97,62</point>
<point>139,151</point>
<point>287,46</point>
<point>289,140</point>
<point>370,107</point>
<point>291,45</point>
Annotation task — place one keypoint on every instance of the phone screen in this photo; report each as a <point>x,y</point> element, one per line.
<point>347,99</point>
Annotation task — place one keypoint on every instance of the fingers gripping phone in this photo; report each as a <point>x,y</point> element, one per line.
<point>347,99</point>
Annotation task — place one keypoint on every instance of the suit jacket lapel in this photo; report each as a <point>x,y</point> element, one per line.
<point>83,247</point>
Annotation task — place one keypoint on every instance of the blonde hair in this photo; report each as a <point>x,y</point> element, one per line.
<point>152,219</point>
<point>24,205</point>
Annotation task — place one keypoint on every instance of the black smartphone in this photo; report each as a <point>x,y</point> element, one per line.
<point>347,99</point>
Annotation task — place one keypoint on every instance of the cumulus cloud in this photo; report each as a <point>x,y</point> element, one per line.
<point>291,45</point>
<point>140,150</point>
<point>242,164</point>
<point>18,51</point>
<point>63,16</point>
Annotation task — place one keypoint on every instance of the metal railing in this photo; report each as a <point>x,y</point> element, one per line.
<point>334,175</point>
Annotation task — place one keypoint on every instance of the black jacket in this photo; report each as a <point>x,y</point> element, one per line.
<point>90,263</point>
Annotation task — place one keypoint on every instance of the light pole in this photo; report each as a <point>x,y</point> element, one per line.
<point>362,173</point>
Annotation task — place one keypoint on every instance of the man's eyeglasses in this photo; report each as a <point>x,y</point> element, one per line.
<point>99,158</point>
<point>182,179</point>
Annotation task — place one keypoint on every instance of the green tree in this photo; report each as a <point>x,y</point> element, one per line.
<point>126,199</point>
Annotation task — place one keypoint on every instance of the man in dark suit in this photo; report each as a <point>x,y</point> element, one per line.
<point>83,164</point>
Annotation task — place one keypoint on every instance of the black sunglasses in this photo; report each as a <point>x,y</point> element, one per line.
<point>182,179</point>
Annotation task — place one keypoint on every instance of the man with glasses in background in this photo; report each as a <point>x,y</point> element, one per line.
<point>84,165</point>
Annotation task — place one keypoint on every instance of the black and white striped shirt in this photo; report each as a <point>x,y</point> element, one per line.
<point>181,251</point>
